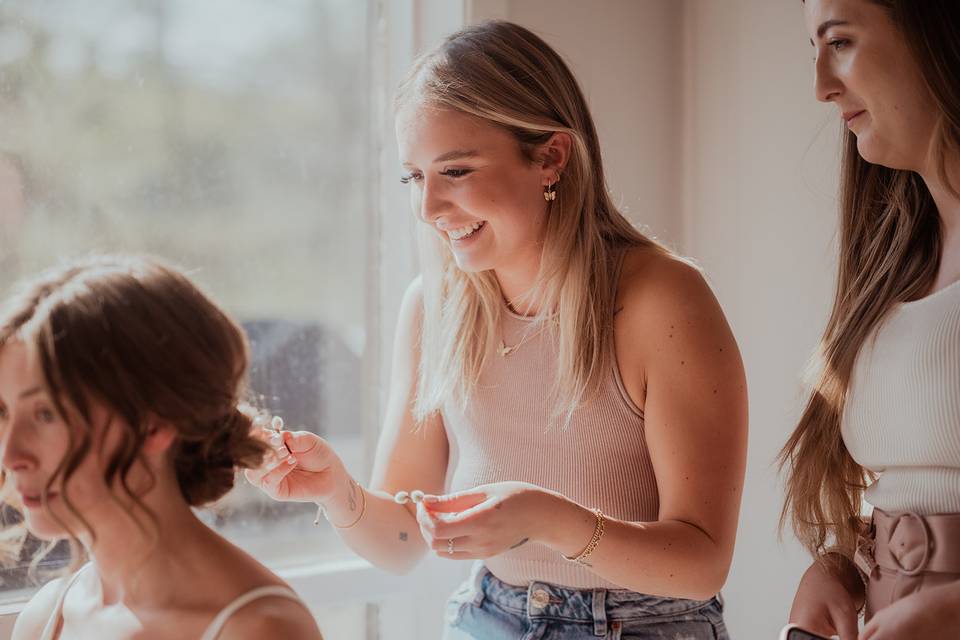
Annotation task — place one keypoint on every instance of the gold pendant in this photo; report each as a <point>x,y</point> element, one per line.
<point>504,350</point>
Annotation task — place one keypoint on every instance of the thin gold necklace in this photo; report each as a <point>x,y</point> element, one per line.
<point>504,349</point>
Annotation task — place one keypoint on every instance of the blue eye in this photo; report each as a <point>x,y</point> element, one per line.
<point>838,44</point>
<point>414,176</point>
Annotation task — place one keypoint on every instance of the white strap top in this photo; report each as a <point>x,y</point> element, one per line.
<point>52,630</point>
<point>213,631</point>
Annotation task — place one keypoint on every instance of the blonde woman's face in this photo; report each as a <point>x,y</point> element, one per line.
<point>34,438</point>
<point>470,183</point>
<point>864,66</point>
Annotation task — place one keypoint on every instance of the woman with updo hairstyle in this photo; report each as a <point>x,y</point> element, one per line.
<point>121,407</point>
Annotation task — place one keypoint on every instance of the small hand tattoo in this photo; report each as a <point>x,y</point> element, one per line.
<point>521,543</point>
<point>403,536</point>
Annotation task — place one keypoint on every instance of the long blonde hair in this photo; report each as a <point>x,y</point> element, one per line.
<point>890,245</point>
<point>507,76</point>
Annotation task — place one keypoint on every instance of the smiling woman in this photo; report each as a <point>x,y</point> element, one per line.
<point>565,391</point>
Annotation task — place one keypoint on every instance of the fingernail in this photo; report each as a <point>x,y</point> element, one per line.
<point>291,460</point>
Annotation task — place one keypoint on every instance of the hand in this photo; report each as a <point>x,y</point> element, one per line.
<point>301,466</point>
<point>824,605</point>
<point>482,522</point>
<point>931,614</point>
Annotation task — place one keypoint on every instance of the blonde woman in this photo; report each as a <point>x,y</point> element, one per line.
<point>883,423</point>
<point>565,391</point>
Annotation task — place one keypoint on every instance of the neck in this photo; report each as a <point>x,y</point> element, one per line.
<point>948,203</point>
<point>517,281</point>
<point>137,564</point>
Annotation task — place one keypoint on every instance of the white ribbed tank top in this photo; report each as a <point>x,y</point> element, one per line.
<point>902,414</point>
<point>599,460</point>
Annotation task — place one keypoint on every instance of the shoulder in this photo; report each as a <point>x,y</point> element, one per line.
<point>662,284</point>
<point>667,307</point>
<point>271,617</point>
<point>34,617</point>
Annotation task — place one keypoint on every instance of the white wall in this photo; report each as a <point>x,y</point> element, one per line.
<point>711,136</point>
<point>760,160</point>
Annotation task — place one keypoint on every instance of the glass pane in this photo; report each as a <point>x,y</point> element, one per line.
<point>230,136</point>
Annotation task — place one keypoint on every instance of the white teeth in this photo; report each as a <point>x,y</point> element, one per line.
<point>463,232</point>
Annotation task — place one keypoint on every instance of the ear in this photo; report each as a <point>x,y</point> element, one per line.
<point>554,155</point>
<point>160,436</point>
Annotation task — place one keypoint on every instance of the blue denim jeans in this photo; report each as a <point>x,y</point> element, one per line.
<point>484,608</point>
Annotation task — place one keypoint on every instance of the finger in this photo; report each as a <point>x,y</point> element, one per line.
<point>869,632</point>
<point>304,442</point>
<point>462,548</point>
<point>440,525</point>
<point>454,502</point>
<point>276,475</point>
<point>466,516</point>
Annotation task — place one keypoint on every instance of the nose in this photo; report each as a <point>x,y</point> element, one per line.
<point>432,203</point>
<point>14,456</point>
<point>827,85</point>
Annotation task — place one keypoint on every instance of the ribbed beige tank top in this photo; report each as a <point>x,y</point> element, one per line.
<point>902,414</point>
<point>600,459</point>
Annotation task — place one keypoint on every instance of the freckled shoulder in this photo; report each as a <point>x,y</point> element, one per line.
<point>666,307</point>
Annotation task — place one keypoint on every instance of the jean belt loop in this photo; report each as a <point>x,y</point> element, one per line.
<point>600,612</point>
<point>477,574</point>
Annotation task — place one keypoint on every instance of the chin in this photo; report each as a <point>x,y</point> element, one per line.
<point>43,527</point>
<point>470,264</point>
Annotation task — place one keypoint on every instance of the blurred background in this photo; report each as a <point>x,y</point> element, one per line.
<point>251,142</point>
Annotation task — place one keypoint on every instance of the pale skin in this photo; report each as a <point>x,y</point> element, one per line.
<point>167,582</point>
<point>864,67</point>
<point>677,356</point>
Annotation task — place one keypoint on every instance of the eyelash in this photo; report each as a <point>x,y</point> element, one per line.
<point>450,173</point>
<point>837,44</point>
<point>50,415</point>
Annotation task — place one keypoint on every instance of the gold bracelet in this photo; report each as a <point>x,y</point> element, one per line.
<point>594,541</point>
<point>363,509</point>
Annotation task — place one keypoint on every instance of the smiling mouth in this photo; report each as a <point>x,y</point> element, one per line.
<point>465,232</point>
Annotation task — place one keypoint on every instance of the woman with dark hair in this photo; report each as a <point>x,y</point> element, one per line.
<point>883,421</point>
<point>121,408</point>
<point>566,391</point>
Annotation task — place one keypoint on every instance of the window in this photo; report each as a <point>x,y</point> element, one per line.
<point>232,137</point>
<point>252,142</point>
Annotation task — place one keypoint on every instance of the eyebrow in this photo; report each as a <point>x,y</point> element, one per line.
<point>456,154</point>
<point>822,29</point>
<point>31,392</point>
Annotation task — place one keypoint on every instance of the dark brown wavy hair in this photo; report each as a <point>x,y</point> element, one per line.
<point>139,337</point>
<point>890,246</point>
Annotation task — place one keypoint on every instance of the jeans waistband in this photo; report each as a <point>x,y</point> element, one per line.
<point>541,600</point>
